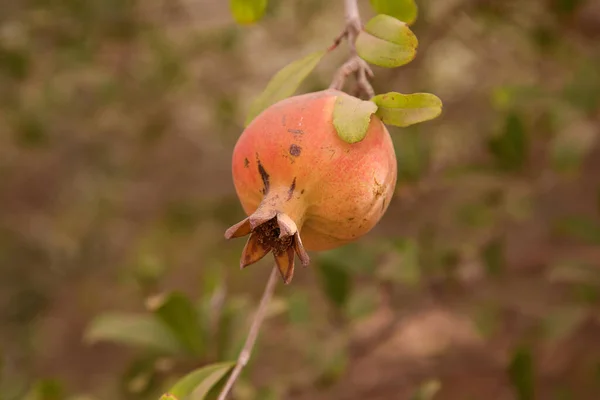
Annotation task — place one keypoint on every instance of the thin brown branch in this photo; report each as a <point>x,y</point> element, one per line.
<point>257,321</point>
<point>355,65</point>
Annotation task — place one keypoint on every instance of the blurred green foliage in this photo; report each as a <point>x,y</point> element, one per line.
<point>117,120</point>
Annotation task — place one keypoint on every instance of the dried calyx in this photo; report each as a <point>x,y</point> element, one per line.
<point>270,232</point>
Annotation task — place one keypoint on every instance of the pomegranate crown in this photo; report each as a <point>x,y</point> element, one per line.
<point>270,231</point>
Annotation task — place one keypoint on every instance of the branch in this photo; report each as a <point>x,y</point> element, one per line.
<point>355,64</point>
<point>257,321</point>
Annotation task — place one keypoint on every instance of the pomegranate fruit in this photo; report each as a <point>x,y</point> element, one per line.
<point>302,186</point>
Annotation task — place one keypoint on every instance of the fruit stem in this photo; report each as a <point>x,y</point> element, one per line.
<point>257,321</point>
<point>355,64</point>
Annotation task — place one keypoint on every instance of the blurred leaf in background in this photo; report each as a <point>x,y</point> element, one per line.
<point>247,11</point>
<point>511,146</point>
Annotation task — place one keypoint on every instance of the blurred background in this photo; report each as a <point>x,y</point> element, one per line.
<point>117,123</point>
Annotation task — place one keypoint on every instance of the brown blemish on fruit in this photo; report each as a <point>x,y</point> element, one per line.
<point>295,150</point>
<point>383,204</point>
<point>378,189</point>
<point>350,219</point>
<point>291,190</point>
<point>296,131</point>
<point>263,175</point>
<point>246,163</point>
<point>302,191</point>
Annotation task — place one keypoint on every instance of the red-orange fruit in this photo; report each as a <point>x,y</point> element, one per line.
<point>302,186</point>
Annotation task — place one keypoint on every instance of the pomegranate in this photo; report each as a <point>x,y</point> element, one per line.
<point>303,187</point>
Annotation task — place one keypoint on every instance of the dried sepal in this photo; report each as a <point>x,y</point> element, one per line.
<point>299,248</point>
<point>240,229</point>
<point>274,232</point>
<point>285,264</point>
<point>254,251</point>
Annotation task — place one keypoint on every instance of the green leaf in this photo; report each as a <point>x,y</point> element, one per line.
<point>386,42</point>
<point>285,82</point>
<point>407,109</point>
<point>199,382</point>
<point>133,329</point>
<point>351,117</point>
<point>178,313</point>
<point>521,375</point>
<point>335,281</point>
<point>510,148</point>
<point>247,11</point>
<point>404,10</point>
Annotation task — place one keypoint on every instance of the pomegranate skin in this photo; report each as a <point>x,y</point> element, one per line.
<point>290,161</point>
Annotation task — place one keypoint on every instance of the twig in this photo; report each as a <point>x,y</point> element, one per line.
<point>257,321</point>
<point>355,64</point>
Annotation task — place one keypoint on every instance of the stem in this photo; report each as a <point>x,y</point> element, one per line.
<point>355,64</point>
<point>257,321</point>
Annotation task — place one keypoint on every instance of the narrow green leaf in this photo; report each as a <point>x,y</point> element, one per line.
<point>247,11</point>
<point>407,109</point>
<point>404,10</point>
<point>386,42</point>
<point>179,314</point>
<point>351,117</point>
<point>521,374</point>
<point>133,329</point>
<point>336,282</point>
<point>198,383</point>
<point>285,82</point>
